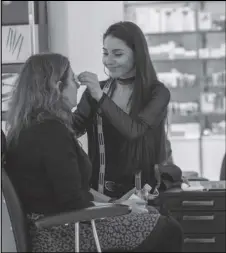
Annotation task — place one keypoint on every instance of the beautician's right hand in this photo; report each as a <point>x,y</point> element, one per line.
<point>90,80</point>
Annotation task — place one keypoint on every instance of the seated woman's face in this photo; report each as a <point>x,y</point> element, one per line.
<point>70,91</point>
<point>118,58</point>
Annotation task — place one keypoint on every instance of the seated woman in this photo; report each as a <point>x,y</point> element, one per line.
<point>51,172</point>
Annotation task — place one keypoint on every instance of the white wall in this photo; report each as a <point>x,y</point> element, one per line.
<point>213,154</point>
<point>87,23</point>
<point>186,154</point>
<point>58,27</point>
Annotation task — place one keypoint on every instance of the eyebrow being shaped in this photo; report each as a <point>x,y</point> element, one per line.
<point>114,50</point>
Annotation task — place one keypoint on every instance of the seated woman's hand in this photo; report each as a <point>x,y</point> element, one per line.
<point>138,206</point>
<point>152,210</point>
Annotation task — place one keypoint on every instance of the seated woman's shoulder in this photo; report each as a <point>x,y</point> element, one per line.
<point>49,127</point>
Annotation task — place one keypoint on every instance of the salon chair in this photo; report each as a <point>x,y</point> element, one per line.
<point>15,237</point>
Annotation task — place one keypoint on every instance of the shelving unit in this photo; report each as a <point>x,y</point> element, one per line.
<point>184,33</point>
<point>189,59</point>
<point>197,50</point>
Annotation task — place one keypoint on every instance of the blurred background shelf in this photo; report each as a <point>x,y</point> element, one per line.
<point>203,32</point>
<point>181,119</point>
<point>11,68</point>
<point>188,59</point>
<point>214,89</point>
<point>147,3</point>
<point>185,94</point>
<point>186,43</point>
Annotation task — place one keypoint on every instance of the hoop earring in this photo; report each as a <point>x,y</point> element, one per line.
<point>105,72</point>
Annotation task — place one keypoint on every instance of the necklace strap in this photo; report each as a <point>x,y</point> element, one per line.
<point>126,80</point>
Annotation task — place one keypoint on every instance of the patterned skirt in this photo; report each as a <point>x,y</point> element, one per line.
<point>124,233</point>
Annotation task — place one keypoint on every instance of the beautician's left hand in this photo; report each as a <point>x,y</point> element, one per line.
<point>91,81</point>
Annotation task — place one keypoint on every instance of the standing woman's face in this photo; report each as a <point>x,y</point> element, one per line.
<point>118,58</point>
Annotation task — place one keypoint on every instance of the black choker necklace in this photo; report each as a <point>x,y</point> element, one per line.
<point>128,80</point>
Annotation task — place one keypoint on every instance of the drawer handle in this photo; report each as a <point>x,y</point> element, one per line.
<point>198,203</point>
<point>200,240</point>
<point>189,217</point>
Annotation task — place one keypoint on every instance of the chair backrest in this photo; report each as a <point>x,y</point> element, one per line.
<point>14,211</point>
<point>3,146</point>
<point>8,240</point>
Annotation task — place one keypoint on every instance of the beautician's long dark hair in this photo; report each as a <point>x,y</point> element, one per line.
<point>146,76</point>
<point>141,153</point>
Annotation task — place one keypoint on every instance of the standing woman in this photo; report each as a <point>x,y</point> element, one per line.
<point>124,116</point>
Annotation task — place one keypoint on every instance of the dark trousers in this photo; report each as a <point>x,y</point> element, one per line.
<point>167,236</point>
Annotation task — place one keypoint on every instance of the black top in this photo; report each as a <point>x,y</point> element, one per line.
<point>113,148</point>
<point>49,170</point>
<point>142,137</point>
<point>115,161</point>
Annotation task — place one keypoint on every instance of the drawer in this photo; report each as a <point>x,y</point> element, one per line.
<point>204,243</point>
<point>195,203</point>
<point>201,222</point>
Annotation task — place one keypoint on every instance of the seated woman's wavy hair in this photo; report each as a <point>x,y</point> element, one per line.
<point>35,93</point>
